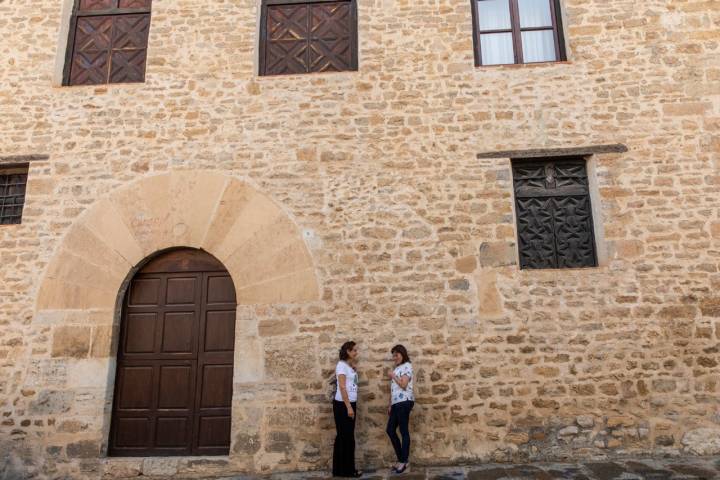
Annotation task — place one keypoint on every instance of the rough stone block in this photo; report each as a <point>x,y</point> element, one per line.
<point>83,449</point>
<point>51,402</point>
<point>702,441</point>
<point>497,254</point>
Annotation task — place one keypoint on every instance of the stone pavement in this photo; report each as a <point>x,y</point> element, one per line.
<point>693,468</point>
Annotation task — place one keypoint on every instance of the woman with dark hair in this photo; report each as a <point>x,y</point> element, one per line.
<point>402,401</point>
<point>344,411</point>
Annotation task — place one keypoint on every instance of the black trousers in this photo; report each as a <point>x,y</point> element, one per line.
<point>344,450</point>
<point>400,417</point>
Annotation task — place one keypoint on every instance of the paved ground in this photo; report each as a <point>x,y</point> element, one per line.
<point>638,469</point>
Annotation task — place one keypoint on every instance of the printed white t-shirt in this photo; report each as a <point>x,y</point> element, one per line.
<point>351,381</point>
<point>398,394</point>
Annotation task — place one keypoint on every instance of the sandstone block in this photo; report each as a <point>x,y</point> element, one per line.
<point>568,431</point>
<point>702,441</point>
<point>123,467</point>
<point>83,449</point>
<point>71,342</point>
<point>585,421</point>
<point>102,341</point>
<point>269,328</point>
<point>497,254</point>
<point>466,264</point>
<point>293,359</point>
<point>489,300</point>
<point>51,402</point>
<point>247,444</point>
<point>710,307</point>
<point>160,466</point>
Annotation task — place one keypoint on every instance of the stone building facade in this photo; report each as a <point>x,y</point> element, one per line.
<point>375,205</point>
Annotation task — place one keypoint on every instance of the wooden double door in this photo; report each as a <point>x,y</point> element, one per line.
<point>173,389</point>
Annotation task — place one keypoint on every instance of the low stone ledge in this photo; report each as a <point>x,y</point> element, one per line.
<point>16,160</point>
<point>556,152</point>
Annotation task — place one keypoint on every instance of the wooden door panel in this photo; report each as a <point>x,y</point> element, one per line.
<point>134,3</point>
<point>174,379</point>
<point>216,386</point>
<point>219,331</point>
<point>97,4</point>
<point>220,289</point>
<point>145,292</point>
<point>139,333</point>
<point>136,391</point>
<point>181,291</point>
<point>173,432</point>
<point>132,432</point>
<point>179,333</point>
<point>176,390</point>
<point>213,432</point>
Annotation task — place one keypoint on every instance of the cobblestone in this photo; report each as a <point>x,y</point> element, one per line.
<point>690,468</point>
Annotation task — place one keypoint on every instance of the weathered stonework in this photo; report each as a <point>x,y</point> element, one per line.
<point>354,205</point>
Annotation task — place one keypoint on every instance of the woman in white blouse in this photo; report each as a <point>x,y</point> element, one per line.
<point>344,407</point>
<point>402,401</point>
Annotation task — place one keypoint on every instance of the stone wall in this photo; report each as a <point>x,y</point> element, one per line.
<point>410,236</point>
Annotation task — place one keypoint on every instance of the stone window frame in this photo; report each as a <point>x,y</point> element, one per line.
<point>561,50</point>
<point>6,171</point>
<point>262,33</point>
<point>72,12</point>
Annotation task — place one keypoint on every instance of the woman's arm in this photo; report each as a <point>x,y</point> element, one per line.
<point>344,395</point>
<point>401,381</point>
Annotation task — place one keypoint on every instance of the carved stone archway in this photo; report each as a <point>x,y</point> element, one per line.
<point>257,241</point>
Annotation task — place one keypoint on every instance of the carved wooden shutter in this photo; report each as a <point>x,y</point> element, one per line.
<point>308,37</point>
<point>109,42</point>
<point>554,215</point>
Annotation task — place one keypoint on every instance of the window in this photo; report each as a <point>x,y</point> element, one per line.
<point>554,215</point>
<point>517,31</point>
<point>108,42</point>
<point>304,37</point>
<point>12,194</point>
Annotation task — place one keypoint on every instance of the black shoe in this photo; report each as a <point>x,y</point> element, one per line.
<point>400,471</point>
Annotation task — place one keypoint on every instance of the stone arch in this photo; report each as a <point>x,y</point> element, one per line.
<point>250,234</point>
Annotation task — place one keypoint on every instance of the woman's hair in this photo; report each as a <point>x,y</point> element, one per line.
<point>346,347</point>
<point>402,351</point>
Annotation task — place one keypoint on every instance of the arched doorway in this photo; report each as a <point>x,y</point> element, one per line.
<point>173,386</point>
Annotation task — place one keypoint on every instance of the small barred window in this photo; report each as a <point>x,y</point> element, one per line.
<point>554,215</point>
<point>12,194</point>
<point>108,42</point>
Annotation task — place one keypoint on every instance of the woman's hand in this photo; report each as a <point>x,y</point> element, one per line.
<point>391,375</point>
<point>351,412</point>
<point>389,410</point>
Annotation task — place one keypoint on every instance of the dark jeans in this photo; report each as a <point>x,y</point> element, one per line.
<point>344,450</point>
<point>400,417</point>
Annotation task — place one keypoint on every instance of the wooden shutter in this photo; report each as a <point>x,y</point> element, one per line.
<point>108,42</point>
<point>308,37</point>
<point>554,215</point>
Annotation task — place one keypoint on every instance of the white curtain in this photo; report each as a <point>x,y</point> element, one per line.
<point>494,14</point>
<point>535,13</point>
<point>496,48</point>
<point>538,46</point>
